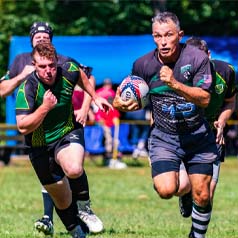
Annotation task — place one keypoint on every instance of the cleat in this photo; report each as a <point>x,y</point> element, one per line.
<point>77,232</point>
<point>86,214</point>
<point>45,226</point>
<point>186,204</point>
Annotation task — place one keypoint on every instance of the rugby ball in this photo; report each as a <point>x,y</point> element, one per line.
<point>134,87</point>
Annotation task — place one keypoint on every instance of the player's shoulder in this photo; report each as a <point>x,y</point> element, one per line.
<point>63,58</point>
<point>222,64</point>
<point>32,79</point>
<point>23,57</point>
<point>192,55</point>
<point>70,66</point>
<point>30,83</point>
<point>146,57</point>
<point>193,51</point>
<point>69,70</point>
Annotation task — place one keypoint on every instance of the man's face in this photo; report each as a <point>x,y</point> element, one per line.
<point>40,36</point>
<point>167,38</point>
<point>46,69</point>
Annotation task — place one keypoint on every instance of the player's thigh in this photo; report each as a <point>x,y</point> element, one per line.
<point>71,159</point>
<point>166,184</point>
<point>47,170</point>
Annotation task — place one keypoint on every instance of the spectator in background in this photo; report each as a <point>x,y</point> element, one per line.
<point>139,132</point>
<point>109,121</point>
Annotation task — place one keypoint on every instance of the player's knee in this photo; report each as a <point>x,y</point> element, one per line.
<point>74,171</point>
<point>202,199</point>
<point>164,193</point>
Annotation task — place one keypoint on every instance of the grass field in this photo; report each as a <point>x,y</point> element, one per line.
<point>123,199</point>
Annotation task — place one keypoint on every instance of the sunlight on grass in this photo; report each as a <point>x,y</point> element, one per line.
<point>123,199</point>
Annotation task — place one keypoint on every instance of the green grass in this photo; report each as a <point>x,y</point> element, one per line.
<point>123,199</point>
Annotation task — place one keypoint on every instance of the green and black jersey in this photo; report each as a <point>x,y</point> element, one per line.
<point>223,87</point>
<point>60,120</point>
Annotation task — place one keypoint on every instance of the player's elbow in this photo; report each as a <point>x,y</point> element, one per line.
<point>204,103</point>
<point>23,131</point>
<point>3,93</point>
<point>205,100</point>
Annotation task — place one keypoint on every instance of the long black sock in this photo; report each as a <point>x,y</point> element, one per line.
<point>48,204</point>
<point>80,188</point>
<point>68,216</point>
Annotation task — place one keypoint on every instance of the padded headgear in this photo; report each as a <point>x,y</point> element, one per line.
<point>41,27</point>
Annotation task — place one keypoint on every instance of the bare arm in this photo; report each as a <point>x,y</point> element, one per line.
<point>84,83</point>
<point>226,112</point>
<point>8,86</point>
<point>28,123</point>
<point>195,95</point>
<point>82,113</point>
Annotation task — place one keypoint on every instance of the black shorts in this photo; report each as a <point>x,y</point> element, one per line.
<point>43,158</point>
<point>47,170</point>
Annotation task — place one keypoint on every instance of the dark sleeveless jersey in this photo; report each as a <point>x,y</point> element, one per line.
<point>223,87</point>
<point>171,112</point>
<point>60,120</point>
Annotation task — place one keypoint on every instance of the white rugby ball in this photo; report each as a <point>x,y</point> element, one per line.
<point>134,87</point>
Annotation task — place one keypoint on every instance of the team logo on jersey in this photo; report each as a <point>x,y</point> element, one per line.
<point>73,136</point>
<point>72,67</point>
<point>185,71</point>
<point>219,88</point>
<point>180,110</point>
<point>206,80</point>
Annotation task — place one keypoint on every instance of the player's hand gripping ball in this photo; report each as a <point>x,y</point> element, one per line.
<point>134,87</point>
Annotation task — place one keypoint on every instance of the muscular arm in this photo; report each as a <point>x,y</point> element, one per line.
<point>81,114</point>
<point>84,83</point>
<point>228,109</point>
<point>226,112</point>
<point>87,98</point>
<point>8,86</point>
<point>196,95</point>
<point>28,123</point>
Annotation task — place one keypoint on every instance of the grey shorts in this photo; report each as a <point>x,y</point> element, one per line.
<point>216,170</point>
<point>197,149</point>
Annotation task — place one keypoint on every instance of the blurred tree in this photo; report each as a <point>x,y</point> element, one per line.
<point>111,17</point>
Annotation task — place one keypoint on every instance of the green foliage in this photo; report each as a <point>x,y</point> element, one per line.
<point>124,199</point>
<point>206,17</point>
<point>111,17</point>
